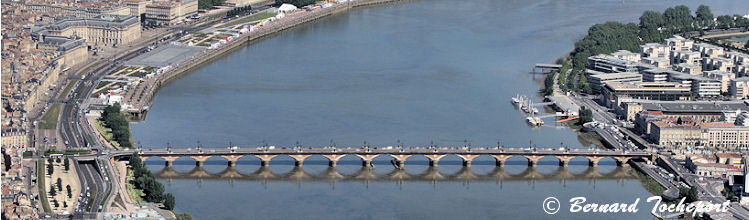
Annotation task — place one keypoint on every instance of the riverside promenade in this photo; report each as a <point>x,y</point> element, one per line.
<point>142,95</point>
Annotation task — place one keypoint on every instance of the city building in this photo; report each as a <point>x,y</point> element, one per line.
<point>724,78</point>
<point>613,93</point>
<point>82,9</point>
<point>700,111</point>
<point>707,166</point>
<point>725,136</point>
<point>678,43</point>
<point>654,50</point>
<point>690,69</point>
<point>137,8</point>
<point>596,79</point>
<point>609,64</point>
<point>657,62</point>
<point>679,132</point>
<point>14,137</point>
<point>708,50</point>
<point>169,12</point>
<point>718,63</point>
<point>70,52</point>
<point>700,86</point>
<point>626,55</point>
<point>686,57</point>
<point>656,75</point>
<point>104,30</point>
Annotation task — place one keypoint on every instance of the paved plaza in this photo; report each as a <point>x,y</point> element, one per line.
<point>165,55</point>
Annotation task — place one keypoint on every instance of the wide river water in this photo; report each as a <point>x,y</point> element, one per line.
<point>418,72</point>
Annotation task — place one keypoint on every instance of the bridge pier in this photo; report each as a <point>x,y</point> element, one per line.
<point>467,159</point>
<point>168,160</point>
<point>434,159</point>
<point>265,158</point>
<point>299,159</point>
<point>143,158</point>
<point>366,159</point>
<point>400,160</point>
<point>533,160</point>
<point>593,160</point>
<point>231,160</point>
<point>564,161</point>
<point>333,159</point>
<point>501,159</point>
<point>621,161</point>
<point>199,160</point>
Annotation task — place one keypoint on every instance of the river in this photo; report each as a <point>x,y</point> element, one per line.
<point>414,73</point>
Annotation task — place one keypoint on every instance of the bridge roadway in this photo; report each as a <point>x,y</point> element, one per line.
<point>431,174</point>
<point>398,154</point>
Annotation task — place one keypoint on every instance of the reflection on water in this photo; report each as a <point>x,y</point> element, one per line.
<point>366,174</point>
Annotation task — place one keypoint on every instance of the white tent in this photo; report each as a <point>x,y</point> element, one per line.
<point>286,8</point>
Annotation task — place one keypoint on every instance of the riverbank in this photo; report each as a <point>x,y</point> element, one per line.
<point>291,20</point>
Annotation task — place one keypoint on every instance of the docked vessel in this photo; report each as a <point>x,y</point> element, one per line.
<point>518,100</point>
<point>531,121</point>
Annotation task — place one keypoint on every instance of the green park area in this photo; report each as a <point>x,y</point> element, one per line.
<point>249,19</point>
<point>49,120</point>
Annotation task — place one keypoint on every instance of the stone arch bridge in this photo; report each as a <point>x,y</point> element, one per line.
<point>399,155</point>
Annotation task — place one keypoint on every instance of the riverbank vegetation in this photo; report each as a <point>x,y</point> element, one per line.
<point>650,184</point>
<point>653,27</point>
<point>118,124</point>
<point>144,180</point>
<point>148,189</point>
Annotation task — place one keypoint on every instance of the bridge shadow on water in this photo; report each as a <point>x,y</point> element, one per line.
<point>545,171</point>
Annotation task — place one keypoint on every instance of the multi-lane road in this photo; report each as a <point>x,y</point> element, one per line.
<point>707,192</point>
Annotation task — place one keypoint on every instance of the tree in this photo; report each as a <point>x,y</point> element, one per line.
<point>549,84</point>
<point>747,44</point>
<point>59,184</point>
<point>679,18</point>
<point>115,120</point>
<point>64,204</point>
<point>584,86</point>
<point>725,21</point>
<point>690,193</point>
<point>586,115</point>
<point>297,3</point>
<point>66,164</point>
<point>704,16</point>
<point>183,216</point>
<point>651,23</point>
<point>52,191</point>
<point>208,4</point>
<point>50,169</point>
<point>57,160</point>
<point>169,201</point>
<point>57,204</point>
<point>70,193</point>
<point>50,160</point>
